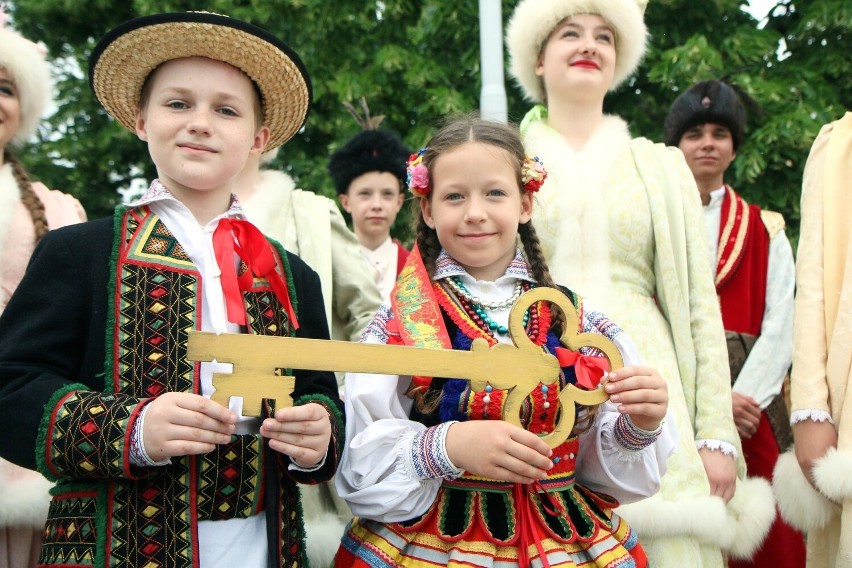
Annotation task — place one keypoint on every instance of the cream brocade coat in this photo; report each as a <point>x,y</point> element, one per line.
<point>822,350</point>
<point>621,223</point>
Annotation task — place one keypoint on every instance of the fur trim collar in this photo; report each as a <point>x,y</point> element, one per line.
<point>271,195</point>
<point>534,20</point>
<point>571,207</point>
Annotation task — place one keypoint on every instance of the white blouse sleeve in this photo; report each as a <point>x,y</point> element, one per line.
<point>375,476</point>
<point>603,465</point>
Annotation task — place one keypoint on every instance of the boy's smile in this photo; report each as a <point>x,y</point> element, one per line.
<point>200,119</point>
<point>476,207</point>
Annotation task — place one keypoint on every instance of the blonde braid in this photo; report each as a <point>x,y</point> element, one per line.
<point>28,196</point>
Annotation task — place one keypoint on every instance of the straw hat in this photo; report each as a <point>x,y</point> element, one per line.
<point>24,62</point>
<point>123,59</point>
<point>534,20</point>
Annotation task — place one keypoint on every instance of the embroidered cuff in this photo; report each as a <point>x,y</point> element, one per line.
<point>717,446</point>
<point>631,437</point>
<point>428,454</point>
<point>810,414</point>
<point>138,456</point>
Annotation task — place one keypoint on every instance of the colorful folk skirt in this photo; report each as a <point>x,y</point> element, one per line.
<point>482,522</point>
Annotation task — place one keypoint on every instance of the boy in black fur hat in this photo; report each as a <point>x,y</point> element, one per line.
<point>369,174</point>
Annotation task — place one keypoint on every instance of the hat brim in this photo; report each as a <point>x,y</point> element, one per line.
<point>122,61</point>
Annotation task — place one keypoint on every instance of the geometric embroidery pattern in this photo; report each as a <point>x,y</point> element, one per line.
<point>69,537</point>
<point>230,480</point>
<point>150,522</point>
<point>88,435</point>
<point>266,316</point>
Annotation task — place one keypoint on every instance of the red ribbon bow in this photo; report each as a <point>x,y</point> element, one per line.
<point>235,236</point>
<point>589,369</point>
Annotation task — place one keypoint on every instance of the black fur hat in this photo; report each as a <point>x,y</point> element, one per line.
<point>368,151</point>
<point>707,101</point>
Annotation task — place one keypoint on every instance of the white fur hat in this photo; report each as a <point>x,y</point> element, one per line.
<point>25,62</point>
<point>534,20</point>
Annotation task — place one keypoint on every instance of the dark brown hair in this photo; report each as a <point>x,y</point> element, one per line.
<point>461,131</point>
<point>28,196</point>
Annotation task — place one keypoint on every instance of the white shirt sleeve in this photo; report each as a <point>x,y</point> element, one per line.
<point>374,476</point>
<point>763,373</point>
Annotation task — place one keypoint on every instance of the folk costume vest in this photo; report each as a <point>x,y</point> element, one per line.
<point>149,517</point>
<point>742,264</point>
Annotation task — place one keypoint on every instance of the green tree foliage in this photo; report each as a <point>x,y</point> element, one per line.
<point>416,61</point>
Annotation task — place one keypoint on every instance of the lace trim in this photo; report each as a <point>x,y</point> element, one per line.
<point>810,414</point>
<point>717,446</point>
<point>138,456</point>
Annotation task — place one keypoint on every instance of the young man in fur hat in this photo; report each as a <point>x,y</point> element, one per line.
<point>754,276</point>
<point>149,470</point>
<point>369,174</point>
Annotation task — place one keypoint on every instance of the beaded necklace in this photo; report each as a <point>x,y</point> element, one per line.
<point>474,322</point>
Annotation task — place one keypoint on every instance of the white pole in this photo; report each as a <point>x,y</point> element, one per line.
<point>492,98</point>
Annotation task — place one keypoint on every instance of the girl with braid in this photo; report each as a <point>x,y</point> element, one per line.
<point>430,470</point>
<point>27,211</point>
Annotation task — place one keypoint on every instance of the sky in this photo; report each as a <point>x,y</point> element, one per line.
<point>759,8</point>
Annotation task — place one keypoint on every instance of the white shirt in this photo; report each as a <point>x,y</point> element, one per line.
<point>383,267</point>
<point>232,542</point>
<point>763,373</point>
<point>377,480</point>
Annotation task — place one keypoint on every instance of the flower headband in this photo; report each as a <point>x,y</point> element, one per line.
<point>533,174</point>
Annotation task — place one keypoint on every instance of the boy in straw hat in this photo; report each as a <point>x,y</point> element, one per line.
<point>149,471</point>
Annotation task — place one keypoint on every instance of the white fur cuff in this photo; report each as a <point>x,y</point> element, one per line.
<point>739,528</point>
<point>24,503</point>
<point>800,504</point>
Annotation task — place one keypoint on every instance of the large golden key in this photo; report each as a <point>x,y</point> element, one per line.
<point>518,368</point>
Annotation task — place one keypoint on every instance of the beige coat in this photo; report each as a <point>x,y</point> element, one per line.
<point>822,356</point>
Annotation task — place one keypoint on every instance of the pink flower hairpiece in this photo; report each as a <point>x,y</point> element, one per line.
<point>533,174</point>
<point>417,175</point>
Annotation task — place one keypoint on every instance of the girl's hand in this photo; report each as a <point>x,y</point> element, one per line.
<point>498,450</point>
<point>812,440</point>
<point>301,432</point>
<point>641,393</point>
<point>183,424</point>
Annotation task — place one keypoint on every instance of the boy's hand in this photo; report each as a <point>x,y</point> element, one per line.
<point>746,415</point>
<point>641,393</point>
<point>301,432</point>
<point>498,450</point>
<point>183,424</point>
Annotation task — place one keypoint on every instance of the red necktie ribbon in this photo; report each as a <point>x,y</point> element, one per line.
<point>235,236</point>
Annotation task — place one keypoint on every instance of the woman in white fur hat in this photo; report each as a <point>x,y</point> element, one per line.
<point>621,223</point>
<point>27,211</point>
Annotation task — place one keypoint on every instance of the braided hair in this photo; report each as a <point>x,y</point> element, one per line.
<point>454,134</point>
<point>28,196</point>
